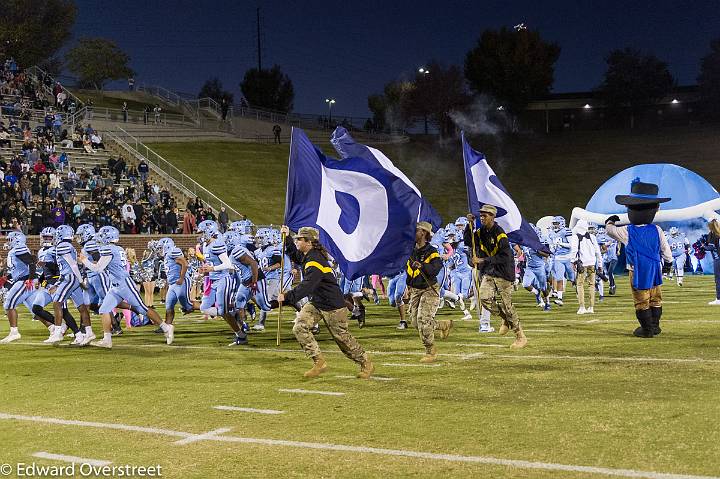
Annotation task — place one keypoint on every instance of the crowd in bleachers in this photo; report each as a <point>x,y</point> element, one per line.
<point>51,177</point>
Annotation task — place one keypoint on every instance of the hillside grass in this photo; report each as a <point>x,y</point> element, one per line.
<point>544,175</point>
<point>136,101</point>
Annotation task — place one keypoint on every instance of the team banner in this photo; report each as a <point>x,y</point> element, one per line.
<point>484,187</point>
<point>365,210</point>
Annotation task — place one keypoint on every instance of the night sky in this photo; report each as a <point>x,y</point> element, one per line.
<point>348,50</point>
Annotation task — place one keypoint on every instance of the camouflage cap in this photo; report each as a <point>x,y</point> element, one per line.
<point>424,225</point>
<point>308,233</point>
<point>489,209</point>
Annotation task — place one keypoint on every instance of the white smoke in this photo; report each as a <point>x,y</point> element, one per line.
<point>482,117</point>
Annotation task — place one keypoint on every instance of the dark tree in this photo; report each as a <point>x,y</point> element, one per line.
<point>97,60</point>
<point>389,107</point>
<point>709,82</point>
<point>377,104</point>
<point>213,89</point>
<point>34,30</point>
<point>513,66</point>
<point>634,80</point>
<point>270,89</point>
<point>435,94</point>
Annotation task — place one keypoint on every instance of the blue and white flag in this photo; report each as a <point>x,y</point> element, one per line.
<point>483,187</point>
<point>365,209</point>
<point>346,147</point>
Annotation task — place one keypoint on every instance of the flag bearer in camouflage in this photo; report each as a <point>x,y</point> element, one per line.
<point>326,302</point>
<point>494,259</point>
<point>422,270</point>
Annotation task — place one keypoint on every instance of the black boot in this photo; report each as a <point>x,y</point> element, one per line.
<point>656,314</point>
<point>644,317</point>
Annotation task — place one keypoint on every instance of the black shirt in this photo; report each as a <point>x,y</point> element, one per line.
<point>494,245</point>
<point>431,264</point>
<point>319,282</point>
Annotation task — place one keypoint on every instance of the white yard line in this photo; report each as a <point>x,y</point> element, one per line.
<point>73,459</point>
<point>482,345</point>
<point>612,358</point>
<point>520,464</point>
<point>203,437</point>
<point>248,409</point>
<point>374,378</point>
<point>309,391</point>
<point>472,356</point>
<point>413,365</point>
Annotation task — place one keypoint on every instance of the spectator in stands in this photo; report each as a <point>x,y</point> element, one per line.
<point>39,168</point>
<point>189,222</point>
<point>37,221</point>
<point>77,140</point>
<point>54,185</point>
<point>4,138</point>
<point>57,123</point>
<point>172,220</point>
<point>77,211</point>
<point>146,114</point>
<point>43,183</point>
<point>132,174</point>
<point>157,110</point>
<point>58,214</point>
<point>87,144</point>
<point>223,219</point>
<point>125,112</point>
<point>119,169</point>
<point>128,213</point>
<point>197,205</point>
<point>144,170</point>
<point>26,188</point>
<point>96,141</point>
<point>10,181</point>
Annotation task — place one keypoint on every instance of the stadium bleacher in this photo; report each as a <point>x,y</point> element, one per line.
<point>53,174</point>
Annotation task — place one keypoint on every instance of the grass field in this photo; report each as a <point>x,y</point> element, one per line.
<point>584,399</point>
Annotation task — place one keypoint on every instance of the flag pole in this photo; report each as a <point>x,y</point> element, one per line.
<point>475,269</point>
<point>283,239</point>
<point>282,285</point>
<point>476,280</point>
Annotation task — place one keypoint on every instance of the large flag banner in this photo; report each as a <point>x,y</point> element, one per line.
<point>346,147</point>
<point>364,208</point>
<point>484,187</point>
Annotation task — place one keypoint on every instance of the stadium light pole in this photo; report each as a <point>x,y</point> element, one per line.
<point>330,102</point>
<point>424,72</point>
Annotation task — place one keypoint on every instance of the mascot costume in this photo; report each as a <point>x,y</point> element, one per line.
<point>647,251</point>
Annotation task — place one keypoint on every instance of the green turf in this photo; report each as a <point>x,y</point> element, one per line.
<point>581,393</point>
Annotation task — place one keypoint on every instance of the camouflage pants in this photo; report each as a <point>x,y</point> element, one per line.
<point>337,323</point>
<point>423,305</point>
<point>496,297</point>
<point>586,278</point>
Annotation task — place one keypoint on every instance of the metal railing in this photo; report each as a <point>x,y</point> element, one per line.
<point>36,72</point>
<point>133,116</point>
<point>172,98</point>
<point>167,170</point>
